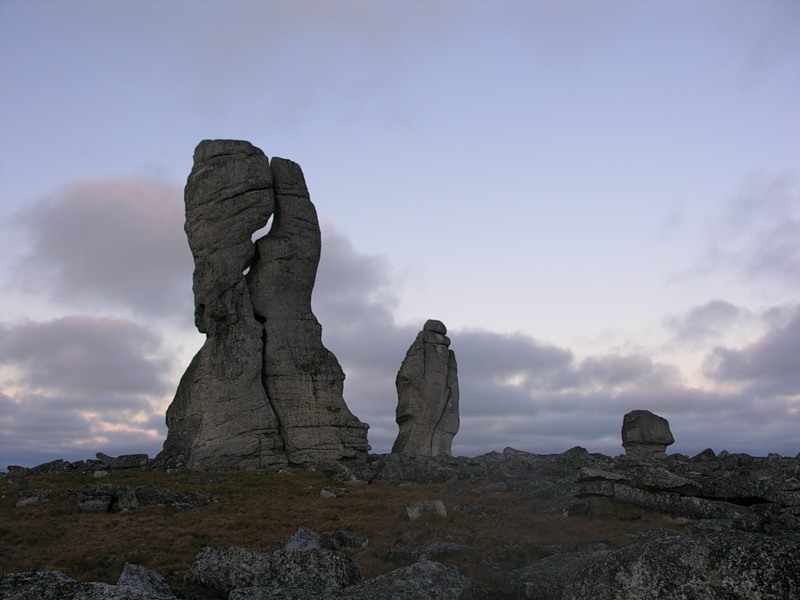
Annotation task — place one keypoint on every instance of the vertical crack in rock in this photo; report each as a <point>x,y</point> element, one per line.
<point>262,390</point>
<point>427,395</point>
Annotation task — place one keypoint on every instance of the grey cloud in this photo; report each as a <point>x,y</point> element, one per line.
<point>85,355</point>
<point>611,371</point>
<point>114,243</point>
<point>484,354</point>
<point>80,385</point>
<point>36,428</point>
<point>704,321</point>
<point>770,365</point>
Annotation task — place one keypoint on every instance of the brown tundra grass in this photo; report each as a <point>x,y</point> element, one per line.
<point>260,510</point>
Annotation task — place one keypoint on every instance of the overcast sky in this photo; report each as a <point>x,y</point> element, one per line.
<point>601,200</point>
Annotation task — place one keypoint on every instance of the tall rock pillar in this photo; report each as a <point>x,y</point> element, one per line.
<point>427,395</point>
<point>303,379</point>
<point>262,390</point>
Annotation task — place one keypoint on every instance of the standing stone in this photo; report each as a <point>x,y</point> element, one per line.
<point>303,379</point>
<point>427,395</point>
<point>228,413</point>
<point>645,434</point>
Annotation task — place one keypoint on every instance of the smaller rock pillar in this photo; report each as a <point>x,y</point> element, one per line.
<point>427,395</point>
<point>645,435</point>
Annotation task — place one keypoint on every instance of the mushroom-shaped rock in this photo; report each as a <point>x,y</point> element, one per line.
<point>427,395</point>
<point>645,434</point>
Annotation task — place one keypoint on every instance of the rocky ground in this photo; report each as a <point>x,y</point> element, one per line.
<point>503,525</point>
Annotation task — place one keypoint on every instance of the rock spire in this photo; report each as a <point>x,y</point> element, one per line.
<point>262,390</point>
<point>427,395</point>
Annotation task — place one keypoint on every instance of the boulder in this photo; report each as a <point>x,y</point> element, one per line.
<point>424,508</point>
<point>138,579</point>
<point>303,539</point>
<point>698,564</point>
<point>349,539</point>
<point>423,580</point>
<point>262,390</point>
<point>427,395</point>
<point>135,583</point>
<point>32,497</point>
<point>106,497</point>
<point>228,568</point>
<point>645,434</point>
<point>124,461</point>
<point>545,579</point>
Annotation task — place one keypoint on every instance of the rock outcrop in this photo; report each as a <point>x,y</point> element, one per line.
<point>262,390</point>
<point>427,395</point>
<point>645,434</point>
<point>721,565</point>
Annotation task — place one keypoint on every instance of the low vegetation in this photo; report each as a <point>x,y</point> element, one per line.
<point>260,510</point>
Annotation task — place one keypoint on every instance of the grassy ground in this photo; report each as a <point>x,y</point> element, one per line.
<point>260,510</point>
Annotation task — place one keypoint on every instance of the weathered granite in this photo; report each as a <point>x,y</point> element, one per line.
<point>427,395</point>
<point>262,390</point>
<point>228,568</point>
<point>701,564</point>
<point>302,378</point>
<point>134,583</point>
<point>645,434</point>
<point>422,580</point>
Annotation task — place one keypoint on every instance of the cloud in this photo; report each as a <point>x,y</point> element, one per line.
<point>757,234</point>
<point>85,355</point>
<point>115,243</point>
<point>705,321</point>
<point>77,385</point>
<point>770,366</point>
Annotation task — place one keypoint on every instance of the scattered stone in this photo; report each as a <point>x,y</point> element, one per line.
<point>331,491</point>
<point>152,495</point>
<point>124,462</point>
<point>303,539</point>
<point>424,508</point>
<point>427,395</point>
<point>645,434</point>
<point>32,497</point>
<point>472,509</point>
<point>349,539</point>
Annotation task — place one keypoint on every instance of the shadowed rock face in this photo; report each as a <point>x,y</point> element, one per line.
<point>263,389</point>
<point>427,395</point>
<point>645,434</point>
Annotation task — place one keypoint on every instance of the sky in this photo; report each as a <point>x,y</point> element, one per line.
<point>600,199</point>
